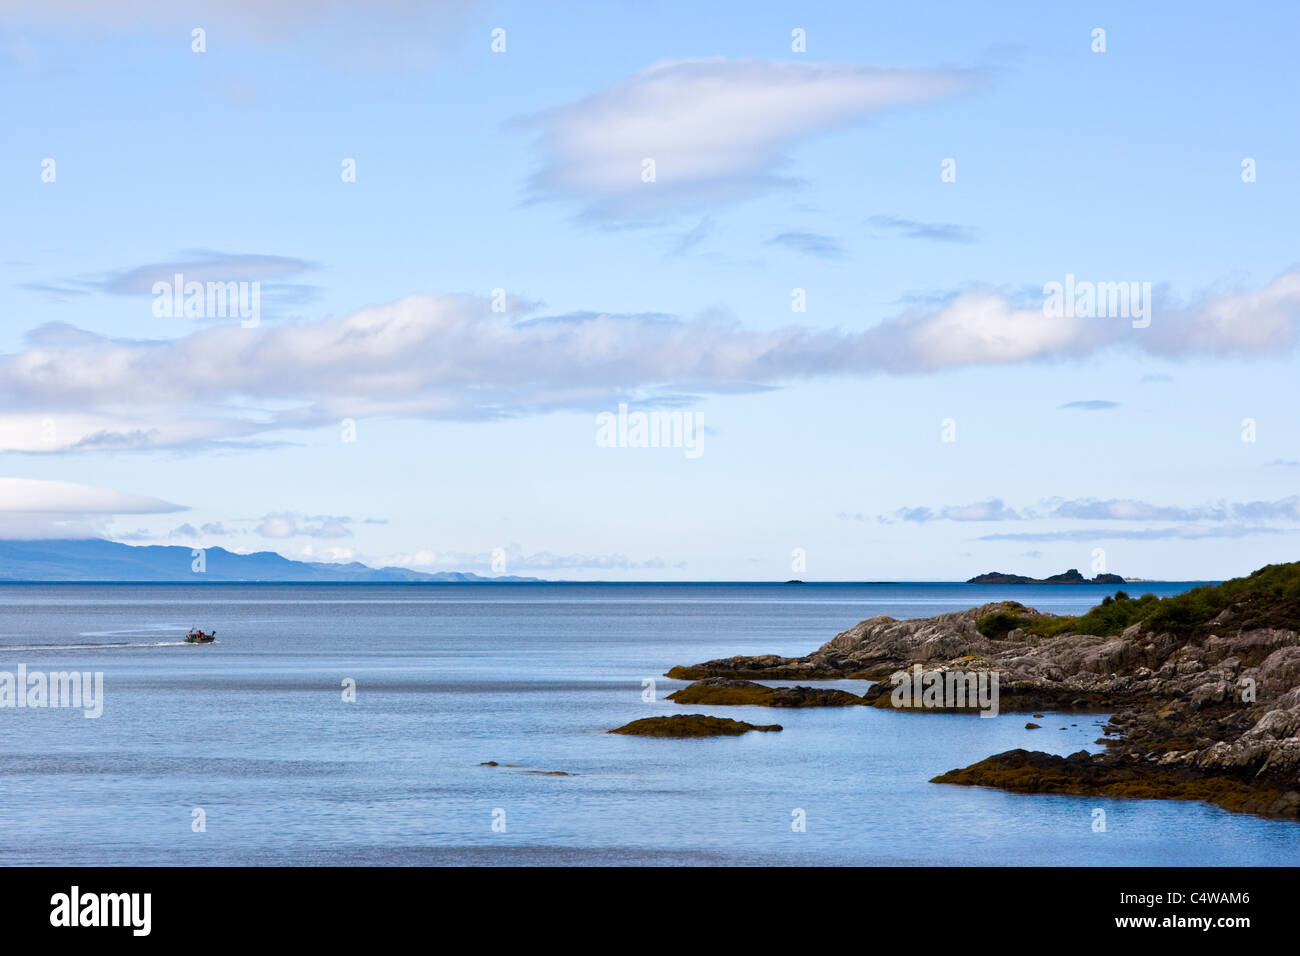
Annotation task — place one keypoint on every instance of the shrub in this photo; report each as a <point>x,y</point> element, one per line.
<point>999,624</point>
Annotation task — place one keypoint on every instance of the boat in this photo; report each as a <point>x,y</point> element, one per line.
<point>195,636</point>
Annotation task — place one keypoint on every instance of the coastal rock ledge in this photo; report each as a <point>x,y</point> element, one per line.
<point>1204,687</point>
<point>727,692</point>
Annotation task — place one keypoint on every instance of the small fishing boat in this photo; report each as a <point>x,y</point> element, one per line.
<point>195,636</point>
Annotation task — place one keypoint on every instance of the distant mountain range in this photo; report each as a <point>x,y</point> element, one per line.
<point>1071,576</point>
<point>94,559</point>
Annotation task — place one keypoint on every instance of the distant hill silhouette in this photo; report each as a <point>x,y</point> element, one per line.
<point>95,559</point>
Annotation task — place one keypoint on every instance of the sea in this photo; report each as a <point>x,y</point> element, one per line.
<point>354,725</point>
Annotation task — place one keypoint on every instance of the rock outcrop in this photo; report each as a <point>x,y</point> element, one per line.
<point>727,692</point>
<point>690,725</point>
<point>1204,687</point>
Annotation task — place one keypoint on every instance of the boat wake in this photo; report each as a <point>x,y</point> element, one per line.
<point>115,645</point>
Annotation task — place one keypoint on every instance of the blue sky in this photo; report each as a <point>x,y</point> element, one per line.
<point>775,170</point>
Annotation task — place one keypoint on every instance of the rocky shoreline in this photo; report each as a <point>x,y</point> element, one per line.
<point>1204,688</point>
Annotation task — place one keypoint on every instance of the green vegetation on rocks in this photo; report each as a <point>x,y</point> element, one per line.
<point>1269,597</point>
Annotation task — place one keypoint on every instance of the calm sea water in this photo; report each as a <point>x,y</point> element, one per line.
<point>253,731</point>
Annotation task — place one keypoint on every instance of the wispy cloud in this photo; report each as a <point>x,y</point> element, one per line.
<point>715,129</point>
<point>1112,509</point>
<point>199,265</point>
<point>693,237</point>
<point>1091,405</point>
<point>928,231</point>
<point>809,243</point>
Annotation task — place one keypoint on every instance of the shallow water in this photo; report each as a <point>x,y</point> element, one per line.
<point>253,731</point>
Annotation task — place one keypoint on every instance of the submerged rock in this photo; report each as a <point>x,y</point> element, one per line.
<point>690,725</point>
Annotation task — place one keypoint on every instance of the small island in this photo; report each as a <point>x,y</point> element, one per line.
<point>1071,576</point>
<point>691,725</point>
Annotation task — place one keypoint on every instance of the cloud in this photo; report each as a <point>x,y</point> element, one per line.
<point>715,129</point>
<point>288,525</point>
<point>1091,405</point>
<point>203,266</point>
<point>198,265</point>
<point>1113,509</point>
<point>1149,534</point>
<point>380,32</point>
<point>187,531</point>
<point>60,430</point>
<point>809,243</point>
<point>443,357</point>
<point>1087,509</point>
<point>29,495</point>
<point>929,231</point>
<point>1287,509</point>
<point>328,555</point>
<point>31,508</point>
<point>689,240</point>
<point>991,510</point>
<point>1284,508</point>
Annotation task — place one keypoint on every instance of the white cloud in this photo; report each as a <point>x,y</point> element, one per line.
<point>715,128</point>
<point>64,497</point>
<point>287,525</point>
<point>334,555</point>
<point>1237,322</point>
<point>452,358</point>
<point>31,508</point>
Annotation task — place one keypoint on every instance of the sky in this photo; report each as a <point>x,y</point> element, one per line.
<point>824,239</point>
